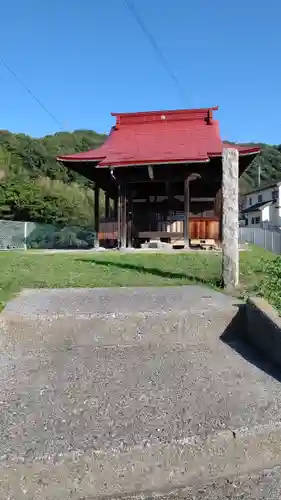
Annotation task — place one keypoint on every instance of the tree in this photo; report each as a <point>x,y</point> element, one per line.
<point>34,186</point>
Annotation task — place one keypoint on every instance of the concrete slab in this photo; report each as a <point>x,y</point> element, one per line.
<point>89,301</point>
<point>123,391</point>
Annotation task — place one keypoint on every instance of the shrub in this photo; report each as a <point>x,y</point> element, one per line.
<point>60,237</point>
<point>271,286</point>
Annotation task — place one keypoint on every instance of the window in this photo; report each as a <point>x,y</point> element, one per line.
<point>275,195</point>
<point>250,202</point>
<point>259,198</point>
<point>256,220</point>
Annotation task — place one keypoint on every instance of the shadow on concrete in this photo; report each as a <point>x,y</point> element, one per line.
<point>235,337</point>
<point>155,272</point>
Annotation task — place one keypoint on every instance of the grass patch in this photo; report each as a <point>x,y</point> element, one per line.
<point>38,270</point>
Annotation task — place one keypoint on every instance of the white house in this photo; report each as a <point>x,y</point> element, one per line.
<point>262,207</point>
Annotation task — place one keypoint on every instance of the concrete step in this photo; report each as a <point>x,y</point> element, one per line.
<point>259,485</point>
<point>109,393</point>
<point>81,301</point>
<point>206,468</point>
<point>125,317</point>
<point>183,327</point>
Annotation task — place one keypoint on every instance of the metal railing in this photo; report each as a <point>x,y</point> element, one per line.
<point>266,238</point>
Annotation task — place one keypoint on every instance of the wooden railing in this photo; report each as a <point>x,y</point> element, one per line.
<point>108,230</point>
<point>199,228</point>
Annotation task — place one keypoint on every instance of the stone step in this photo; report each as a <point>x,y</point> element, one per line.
<point>122,317</point>
<point>120,419</point>
<point>196,468</point>
<point>183,327</point>
<point>80,301</point>
<point>127,393</point>
<point>258,485</point>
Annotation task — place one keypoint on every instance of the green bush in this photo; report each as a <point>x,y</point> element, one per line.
<point>271,286</point>
<point>60,237</point>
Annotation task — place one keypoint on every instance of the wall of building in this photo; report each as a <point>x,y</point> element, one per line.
<point>266,214</point>
<point>265,194</point>
<point>278,209</point>
<point>269,216</point>
<point>254,218</point>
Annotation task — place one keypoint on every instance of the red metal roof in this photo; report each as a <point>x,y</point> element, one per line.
<point>158,137</point>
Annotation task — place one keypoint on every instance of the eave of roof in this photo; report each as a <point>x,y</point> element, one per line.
<point>257,207</point>
<point>160,137</point>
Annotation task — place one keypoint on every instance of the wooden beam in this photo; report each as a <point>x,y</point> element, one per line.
<point>215,178</point>
<point>218,209</point>
<point>230,175</point>
<point>107,206</point>
<point>97,215</point>
<point>210,172</point>
<point>170,201</point>
<point>130,219</point>
<point>122,216</point>
<point>119,217</point>
<point>158,234</point>
<point>202,189</point>
<point>186,214</point>
<point>115,207</point>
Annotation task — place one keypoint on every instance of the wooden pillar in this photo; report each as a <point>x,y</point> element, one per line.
<point>122,216</point>
<point>130,219</point>
<point>115,207</point>
<point>218,211</point>
<point>118,206</point>
<point>170,200</point>
<point>107,206</point>
<point>97,215</point>
<point>186,214</point>
<point>230,176</point>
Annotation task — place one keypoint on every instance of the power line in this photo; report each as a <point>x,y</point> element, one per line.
<point>51,115</point>
<point>156,47</point>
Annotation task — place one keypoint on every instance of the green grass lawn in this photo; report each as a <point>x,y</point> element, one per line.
<point>20,270</point>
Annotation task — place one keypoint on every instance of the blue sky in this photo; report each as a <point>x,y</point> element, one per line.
<point>86,58</point>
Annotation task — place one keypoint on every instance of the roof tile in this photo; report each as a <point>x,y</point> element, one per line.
<point>159,137</point>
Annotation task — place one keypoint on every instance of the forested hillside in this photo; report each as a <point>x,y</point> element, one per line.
<point>33,186</point>
<point>268,163</point>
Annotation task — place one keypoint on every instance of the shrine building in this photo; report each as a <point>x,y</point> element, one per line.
<point>161,172</point>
